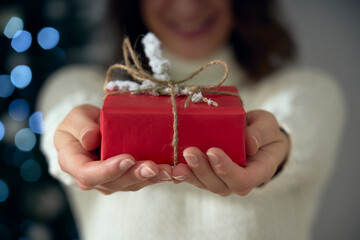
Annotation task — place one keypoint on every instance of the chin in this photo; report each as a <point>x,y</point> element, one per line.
<point>193,52</point>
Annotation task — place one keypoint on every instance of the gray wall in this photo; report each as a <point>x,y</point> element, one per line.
<point>328,36</point>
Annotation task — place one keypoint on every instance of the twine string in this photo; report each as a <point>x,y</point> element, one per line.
<point>175,139</point>
<point>136,71</point>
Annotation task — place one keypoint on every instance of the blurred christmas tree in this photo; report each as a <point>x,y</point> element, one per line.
<point>36,38</point>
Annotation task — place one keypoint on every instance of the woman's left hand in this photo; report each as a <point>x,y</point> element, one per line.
<point>266,148</point>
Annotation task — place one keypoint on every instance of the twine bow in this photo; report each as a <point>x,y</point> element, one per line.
<point>137,72</point>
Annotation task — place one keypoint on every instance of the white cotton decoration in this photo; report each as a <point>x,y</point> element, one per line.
<point>167,90</point>
<point>148,84</point>
<point>177,90</point>
<point>197,97</point>
<point>159,65</point>
<point>185,91</point>
<point>122,85</point>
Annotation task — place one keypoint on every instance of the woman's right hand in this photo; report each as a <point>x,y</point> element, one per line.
<point>77,140</point>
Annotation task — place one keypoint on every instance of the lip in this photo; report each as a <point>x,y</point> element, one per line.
<point>205,28</point>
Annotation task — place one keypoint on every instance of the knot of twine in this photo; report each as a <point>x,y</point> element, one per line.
<point>136,71</point>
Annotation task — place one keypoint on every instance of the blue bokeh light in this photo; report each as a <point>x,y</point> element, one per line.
<point>30,170</point>
<point>36,122</point>
<point>6,87</point>
<point>19,109</point>
<point>2,131</point>
<point>14,24</point>
<point>21,41</point>
<point>18,157</point>
<point>25,139</point>
<point>48,38</point>
<point>4,191</point>
<point>21,76</point>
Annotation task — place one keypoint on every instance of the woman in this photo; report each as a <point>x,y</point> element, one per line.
<point>274,197</point>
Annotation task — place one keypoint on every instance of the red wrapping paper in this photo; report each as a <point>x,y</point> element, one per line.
<point>142,125</point>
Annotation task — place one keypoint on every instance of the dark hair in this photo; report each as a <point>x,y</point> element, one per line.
<point>261,43</point>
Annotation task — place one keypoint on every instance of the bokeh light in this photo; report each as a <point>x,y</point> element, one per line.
<point>19,157</point>
<point>6,87</point>
<point>2,130</point>
<point>48,38</point>
<point>36,122</point>
<point>45,203</point>
<point>30,170</point>
<point>25,139</point>
<point>21,41</point>
<point>19,109</point>
<point>14,24</point>
<point>21,76</point>
<point>11,127</point>
<point>4,191</point>
<point>35,206</point>
<point>38,231</point>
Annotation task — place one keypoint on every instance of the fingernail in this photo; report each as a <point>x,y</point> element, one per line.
<point>256,142</point>
<point>164,176</point>
<point>179,178</point>
<point>213,159</point>
<point>191,159</point>
<point>126,164</point>
<point>147,172</point>
<point>84,136</point>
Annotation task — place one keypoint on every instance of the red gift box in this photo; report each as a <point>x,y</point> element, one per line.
<point>142,125</point>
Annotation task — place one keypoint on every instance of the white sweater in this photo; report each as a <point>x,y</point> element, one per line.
<point>307,103</point>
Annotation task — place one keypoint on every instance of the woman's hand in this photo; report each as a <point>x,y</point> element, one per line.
<point>266,148</point>
<point>77,140</point>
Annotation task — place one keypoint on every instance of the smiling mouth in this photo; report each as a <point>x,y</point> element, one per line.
<point>192,30</point>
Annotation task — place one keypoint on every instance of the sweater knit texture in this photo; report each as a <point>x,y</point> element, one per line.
<point>307,103</point>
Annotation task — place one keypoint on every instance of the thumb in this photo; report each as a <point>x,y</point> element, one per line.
<point>82,123</point>
<point>262,129</point>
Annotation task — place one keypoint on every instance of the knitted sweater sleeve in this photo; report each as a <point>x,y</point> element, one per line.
<point>310,106</point>
<point>67,88</point>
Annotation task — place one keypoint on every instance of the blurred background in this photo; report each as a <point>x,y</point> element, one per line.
<point>40,36</point>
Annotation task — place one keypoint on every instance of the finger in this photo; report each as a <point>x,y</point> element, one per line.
<point>262,129</point>
<point>140,172</point>
<point>201,168</point>
<point>163,176</point>
<point>260,168</point>
<point>82,123</point>
<point>83,165</point>
<point>93,173</point>
<point>183,173</point>
<point>165,173</point>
